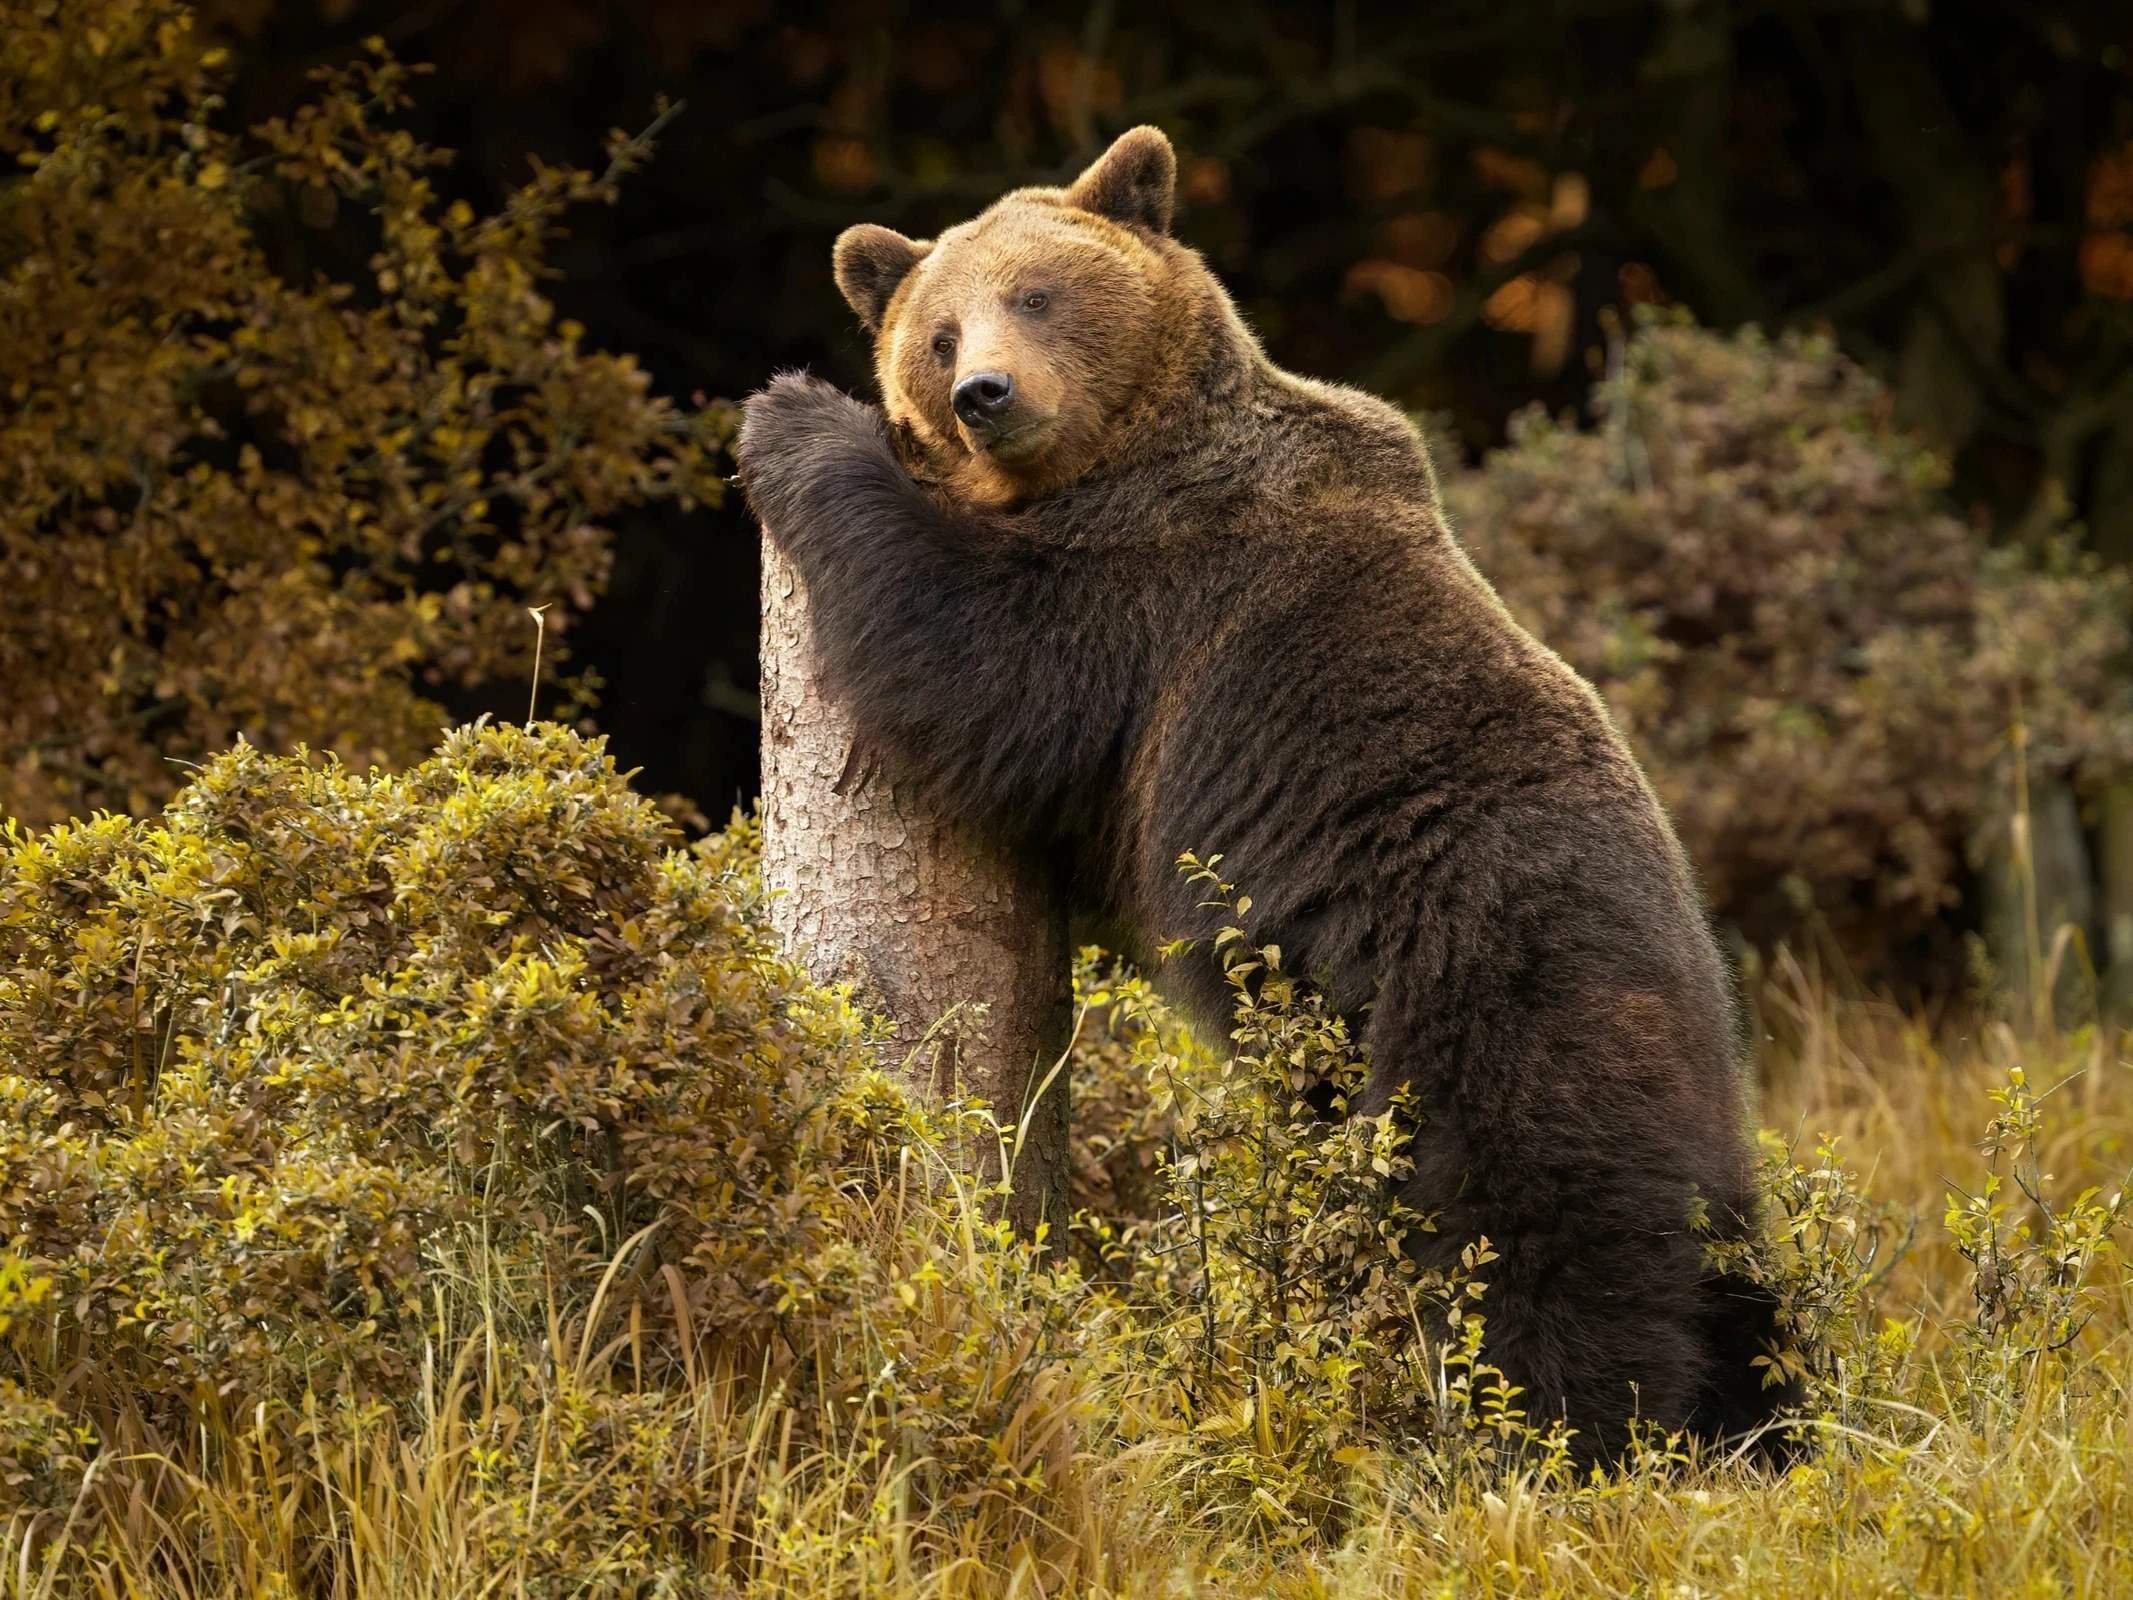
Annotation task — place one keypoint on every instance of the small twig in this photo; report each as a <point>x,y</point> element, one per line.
<point>540,635</point>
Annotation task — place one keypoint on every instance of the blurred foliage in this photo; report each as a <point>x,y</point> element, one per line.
<point>1820,663</point>
<point>235,500</point>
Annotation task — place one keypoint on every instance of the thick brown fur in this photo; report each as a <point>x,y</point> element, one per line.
<point>1184,600</point>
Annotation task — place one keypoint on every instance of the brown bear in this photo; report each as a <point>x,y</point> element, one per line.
<point>1098,574</point>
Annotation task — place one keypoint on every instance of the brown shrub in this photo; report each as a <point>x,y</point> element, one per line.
<point>1818,661</point>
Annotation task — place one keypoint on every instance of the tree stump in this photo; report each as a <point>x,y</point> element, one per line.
<point>952,939</point>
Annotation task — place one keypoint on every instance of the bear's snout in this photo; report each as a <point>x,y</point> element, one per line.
<point>983,400</point>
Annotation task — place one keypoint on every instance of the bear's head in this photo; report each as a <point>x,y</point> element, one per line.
<point>1019,349</point>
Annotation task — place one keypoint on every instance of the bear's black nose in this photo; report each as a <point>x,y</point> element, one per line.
<point>981,397</point>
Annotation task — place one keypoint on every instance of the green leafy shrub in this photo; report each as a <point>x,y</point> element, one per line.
<point>1285,1328</point>
<point>319,1079</point>
<point>1819,662</point>
<point>2041,1261</point>
<point>241,498</point>
<point>1129,1057</point>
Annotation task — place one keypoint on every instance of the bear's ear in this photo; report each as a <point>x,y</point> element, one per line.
<point>1134,182</point>
<point>869,263</point>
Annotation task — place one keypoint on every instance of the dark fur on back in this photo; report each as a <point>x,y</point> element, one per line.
<point>1247,629</point>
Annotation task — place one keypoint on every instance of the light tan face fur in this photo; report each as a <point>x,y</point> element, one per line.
<point>1042,296</point>
<point>1059,291</point>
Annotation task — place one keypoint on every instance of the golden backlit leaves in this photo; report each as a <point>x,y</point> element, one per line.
<point>1572,199</point>
<point>1409,294</point>
<point>1512,235</point>
<point>2107,251</point>
<point>1421,238</point>
<point>1499,169</point>
<point>1638,285</point>
<point>233,504</point>
<point>1410,270</point>
<point>1203,181</point>
<point>845,163</point>
<point>1541,305</point>
<point>1407,273</point>
<point>1537,302</point>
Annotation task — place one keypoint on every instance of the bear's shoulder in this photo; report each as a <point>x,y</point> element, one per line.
<point>1336,410</point>
<point>1343,439</point>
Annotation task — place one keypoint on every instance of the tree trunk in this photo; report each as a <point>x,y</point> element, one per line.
<point>2039,895</point>
<point>2115,847</point>
<point>951,939</point>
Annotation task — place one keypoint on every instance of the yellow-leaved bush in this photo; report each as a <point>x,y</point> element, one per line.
<point>320,1079</point>
<point>465,1107</point>
<point>327,1090</point>
<point>239,496</point>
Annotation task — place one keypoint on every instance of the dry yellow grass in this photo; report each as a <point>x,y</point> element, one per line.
<point>1978,1470</point>
<point>301,1273</point>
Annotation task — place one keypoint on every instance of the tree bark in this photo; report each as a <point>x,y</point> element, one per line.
<point>2037,882</point>
<point>2114,830</point>
<point>957,943</point>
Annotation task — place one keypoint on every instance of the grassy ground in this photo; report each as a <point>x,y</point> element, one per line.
<point>1955,1454</point>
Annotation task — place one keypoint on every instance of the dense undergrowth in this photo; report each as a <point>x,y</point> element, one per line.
<point>1816,655</point>
<point>438,1184</point>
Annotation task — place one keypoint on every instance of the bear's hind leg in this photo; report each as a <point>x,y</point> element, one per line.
<point>1738,1405</point>
<point>1596,1330</point>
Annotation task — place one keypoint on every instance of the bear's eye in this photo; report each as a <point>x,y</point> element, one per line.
<point>943,346</point>
<point>1036,302</point>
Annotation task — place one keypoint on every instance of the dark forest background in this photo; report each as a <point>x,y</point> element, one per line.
<point>1446,203</point>
<point>418,1176</point>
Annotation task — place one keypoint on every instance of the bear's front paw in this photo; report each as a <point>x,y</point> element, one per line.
<point>801,433</point>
